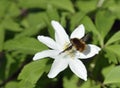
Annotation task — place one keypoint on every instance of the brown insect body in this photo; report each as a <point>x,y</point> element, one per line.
<point>79,44</point>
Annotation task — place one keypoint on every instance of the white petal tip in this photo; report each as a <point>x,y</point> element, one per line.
<point>82,25</point>
<point>39,37</point>
<point>98,50</point>
<point>79,32</point>
<point>50,76</point>
<point>34,58</point>
<point>85,79</point>
<point>53,21</point>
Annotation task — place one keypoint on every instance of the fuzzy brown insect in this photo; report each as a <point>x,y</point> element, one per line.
<point>78,44</point>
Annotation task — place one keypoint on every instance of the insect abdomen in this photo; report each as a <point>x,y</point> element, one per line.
<point>78,44</point>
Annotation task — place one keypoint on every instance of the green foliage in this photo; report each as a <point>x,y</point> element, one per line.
<point>86,6</point>
<point>114,38</point>
<point>24,45</point>
<point>10,24</point>
<point>113,76</point>
<point>31,73</point>
<point>70,83</point>
<point>75,21</point>
<point>3,7</point>
<point>11,85</point>
<point>104,21</point>
<point>113,6</point>
<point>62,4</point>
<point>21,21</point>
<point>1,37</point>
<point>114,48</point>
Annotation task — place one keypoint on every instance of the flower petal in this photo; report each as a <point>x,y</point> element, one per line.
<point>48,41</point>
<point>58,65</point>
<point>60,35</point>
<point>45,53</point>
<point>90,51</point>
<point>79,32</point>
<point>78,68</point>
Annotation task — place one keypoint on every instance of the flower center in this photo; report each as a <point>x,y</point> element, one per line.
<point>69,51</point>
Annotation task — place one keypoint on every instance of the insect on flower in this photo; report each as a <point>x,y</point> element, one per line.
<point>78,44</point>
<point>66,51</point>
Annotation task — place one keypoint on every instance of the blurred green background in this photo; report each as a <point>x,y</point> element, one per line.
<point>21,21</point>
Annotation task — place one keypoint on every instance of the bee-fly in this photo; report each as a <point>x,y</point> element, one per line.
<point>78,44</point>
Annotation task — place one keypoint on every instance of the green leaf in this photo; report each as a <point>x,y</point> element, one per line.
<point>63,20</point>
<point>86,5</point>
<point>24,45</point>
<point>3,7</point>
<point>9,64</point>
<point>33,4</point>
<point>70,83</point>
<point>112,58</point>
<point>113,6</point>
<point>13,63</point>
<point>114,49</point>
<point>89,84</point>
<point>75,20</point>
<point>62,4</point>
<point>2,34</point>
<point>109,3</point>
<point>36,19</point>
<point>13,10</point>
<point>115,10</point>
<point>9,24</point>
<point>31,73</point>
<point>33,24</point>
<point>25,84</point>
<point>52,13</point>
<point>107,69</point>
<point>104,21</point>
<point>114,38</point>
<point>32,31</point>
<point>113,76</point>
<point>89,26</point>
<point>12,84</point>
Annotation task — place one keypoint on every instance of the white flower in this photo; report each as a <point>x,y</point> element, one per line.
<point>69,57</point>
